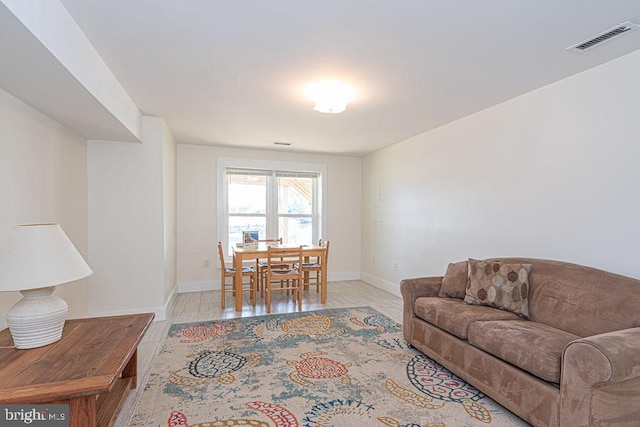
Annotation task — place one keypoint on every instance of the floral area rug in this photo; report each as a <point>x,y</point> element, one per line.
<point>340,367</point>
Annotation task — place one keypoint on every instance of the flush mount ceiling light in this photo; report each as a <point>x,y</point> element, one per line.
<point>330,96</point>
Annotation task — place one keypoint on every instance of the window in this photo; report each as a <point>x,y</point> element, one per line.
<point>282,201</point>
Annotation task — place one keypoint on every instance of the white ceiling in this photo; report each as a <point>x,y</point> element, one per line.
<point>231,72</point>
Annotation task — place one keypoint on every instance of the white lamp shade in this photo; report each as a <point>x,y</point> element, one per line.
<point>38,256</point>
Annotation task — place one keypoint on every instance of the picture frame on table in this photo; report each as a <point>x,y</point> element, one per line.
<point>250,239</point>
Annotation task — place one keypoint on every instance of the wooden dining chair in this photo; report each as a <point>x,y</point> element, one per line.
<point>316,266</point>
<point>278,240</point>
<point>280,269</point>
<point>230,272</point>
<point>261,264</point>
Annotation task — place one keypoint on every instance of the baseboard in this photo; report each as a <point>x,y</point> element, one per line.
<point>186,287</point>
<point>392,288</point>
<point>159,312</point>
<point>168,305</point>
<point>343,275</point>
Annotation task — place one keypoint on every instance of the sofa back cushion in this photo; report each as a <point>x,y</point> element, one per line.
<point>581,300</point>
<point>454,282</point>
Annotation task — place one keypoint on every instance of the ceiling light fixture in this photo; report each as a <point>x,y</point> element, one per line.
<point>330,96</point>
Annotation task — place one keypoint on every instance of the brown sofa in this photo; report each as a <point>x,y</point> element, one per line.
<point>574,362</point>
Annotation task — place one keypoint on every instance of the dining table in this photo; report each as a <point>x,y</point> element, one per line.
<point>245,253</point>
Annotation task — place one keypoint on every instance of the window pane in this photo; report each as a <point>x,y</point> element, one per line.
<point>273,202</point>
<point>295,196</point>
<point>247,194</point>
<point>296,230</point>
<point>238,224</point>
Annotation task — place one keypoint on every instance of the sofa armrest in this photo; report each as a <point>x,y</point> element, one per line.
<point>596,362</point>
<point>613,356</point>
<point>412,289</point>
<point>420,287</point>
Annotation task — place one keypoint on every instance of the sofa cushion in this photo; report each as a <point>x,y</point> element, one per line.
<point>454,316</point>
<point>454,282</point>
<point>531,346</point>
<point>582,300</point>
<point>499,285</point>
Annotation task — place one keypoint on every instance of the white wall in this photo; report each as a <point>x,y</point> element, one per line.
<point>170,210</point>
<point>129,208</point>
<point>197,211</point>
<point>551,174</point>
<point>55,28</point>
<point>43,172</point>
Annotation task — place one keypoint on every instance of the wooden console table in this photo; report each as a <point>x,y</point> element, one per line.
<point>91,368</point>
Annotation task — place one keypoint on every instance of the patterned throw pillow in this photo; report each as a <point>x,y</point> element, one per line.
<point>503,286</point>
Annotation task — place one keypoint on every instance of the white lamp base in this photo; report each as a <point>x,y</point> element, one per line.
<point>37,319</point>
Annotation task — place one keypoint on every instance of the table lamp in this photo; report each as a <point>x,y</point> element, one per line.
<point>35,259</point>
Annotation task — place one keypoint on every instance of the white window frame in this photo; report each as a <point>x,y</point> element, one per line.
<point>224,163</point>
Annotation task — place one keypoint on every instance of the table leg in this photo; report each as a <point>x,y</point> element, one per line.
<point>82,411</point>
<point>307,276</point>
<point>131,370</point>
<point>323,282</point>
<point>237,258</point>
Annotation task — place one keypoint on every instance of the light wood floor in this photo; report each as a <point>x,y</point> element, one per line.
<point>200,306</point>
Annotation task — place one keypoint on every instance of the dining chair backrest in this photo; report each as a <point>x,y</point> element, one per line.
<point>276,255</point>
<point>278,240</point>
<point>325,256</point>
<point>230,272</point>
<point>290,277</point>
<point>317,264</point>
<point>326,245</point>
<point>221,255</point>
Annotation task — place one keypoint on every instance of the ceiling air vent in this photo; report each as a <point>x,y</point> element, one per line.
<point>616,31</point>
